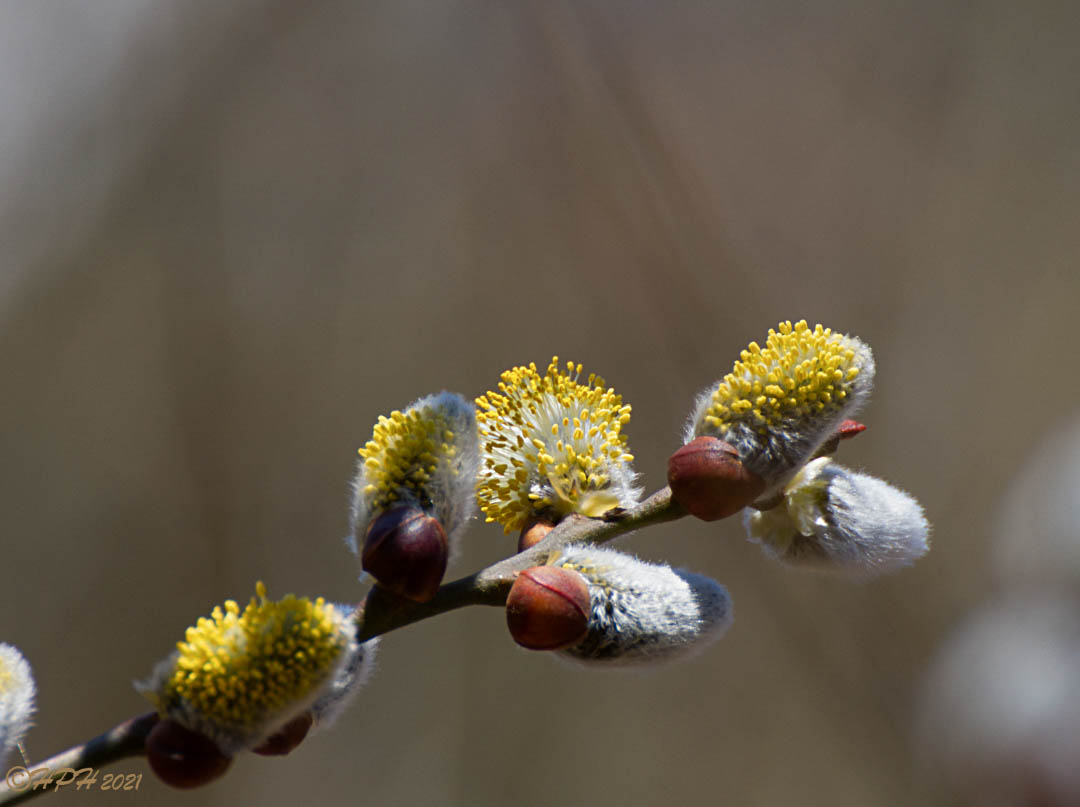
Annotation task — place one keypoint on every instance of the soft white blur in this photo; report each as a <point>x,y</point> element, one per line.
<point>1001,720</point>
<point>1000,717</point>
<point>1038,531</point>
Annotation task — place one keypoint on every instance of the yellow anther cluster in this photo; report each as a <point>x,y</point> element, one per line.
<point>235,670</point>
<point>6,678</point>
<point>404,451</point>
<point>799,373</point>
<point>550,443</point>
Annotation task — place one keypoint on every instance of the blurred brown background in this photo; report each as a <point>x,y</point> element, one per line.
<point>231,235</point>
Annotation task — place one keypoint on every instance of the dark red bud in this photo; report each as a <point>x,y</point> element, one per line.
<point>548,608</point>
<point>534,532</point>
<point>406,551</point>
<point>709,480</point>
<point>183,758</point>
<point>287,737</point>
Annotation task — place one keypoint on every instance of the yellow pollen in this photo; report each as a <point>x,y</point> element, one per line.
<point>404,452</point>
<point>800,372</point>
<point>576,430</point>
<point>236,670</point>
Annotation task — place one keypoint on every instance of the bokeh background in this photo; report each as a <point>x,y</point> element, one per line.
<point>233,234</point>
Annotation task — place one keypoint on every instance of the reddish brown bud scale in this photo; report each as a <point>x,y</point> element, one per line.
<point>548,608</point>
<point>406,551</point>
<point>849,428</point>
<point>709,481</point>
<point>845,431</point>
<point>534,532</point>
<point>286,738</point>
<point>183,758</point>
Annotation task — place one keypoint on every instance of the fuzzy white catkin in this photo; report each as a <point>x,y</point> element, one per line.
<point>449,494</point>
<point>643,613</point>
<point>348,680</point>
<point>16,698</point>
<point>835,519</point>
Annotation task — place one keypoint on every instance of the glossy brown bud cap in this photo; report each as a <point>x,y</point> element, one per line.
<point>406,550</point>
<point>183,758</point>
<point>534,532</point>
<point>287,737</point>
<point>709,480</point>
<point>548,608</point>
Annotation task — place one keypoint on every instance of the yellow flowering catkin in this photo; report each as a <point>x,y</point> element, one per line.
<point>402,456</point>
<point>424,456</point>
<point>781,401</point>
<point>239,671</point>
<point>551,445</point>
<point>800,373</point>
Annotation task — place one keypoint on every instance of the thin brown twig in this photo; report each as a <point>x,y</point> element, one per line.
<point>383,612</point>
<point>66,768</point>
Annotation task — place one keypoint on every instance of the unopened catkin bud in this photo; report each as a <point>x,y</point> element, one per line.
<point>641,613</point>
<point>407,551</point>
<point>534,531</point>
<point>709,481</point>
<point>835,519</point>
<point>184,758</point>
<point>781,402</point>
<point>548,608</point>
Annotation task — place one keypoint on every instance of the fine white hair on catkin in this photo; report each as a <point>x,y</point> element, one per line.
<point>643,613</point>
<point>16,698</point>
<point>780,403</point>
<point>348,679</point>
<point>835,519</point>
<point>448,492</point>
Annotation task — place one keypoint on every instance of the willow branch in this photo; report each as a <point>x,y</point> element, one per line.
<point>382,612</point>
<point>128,739</point>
